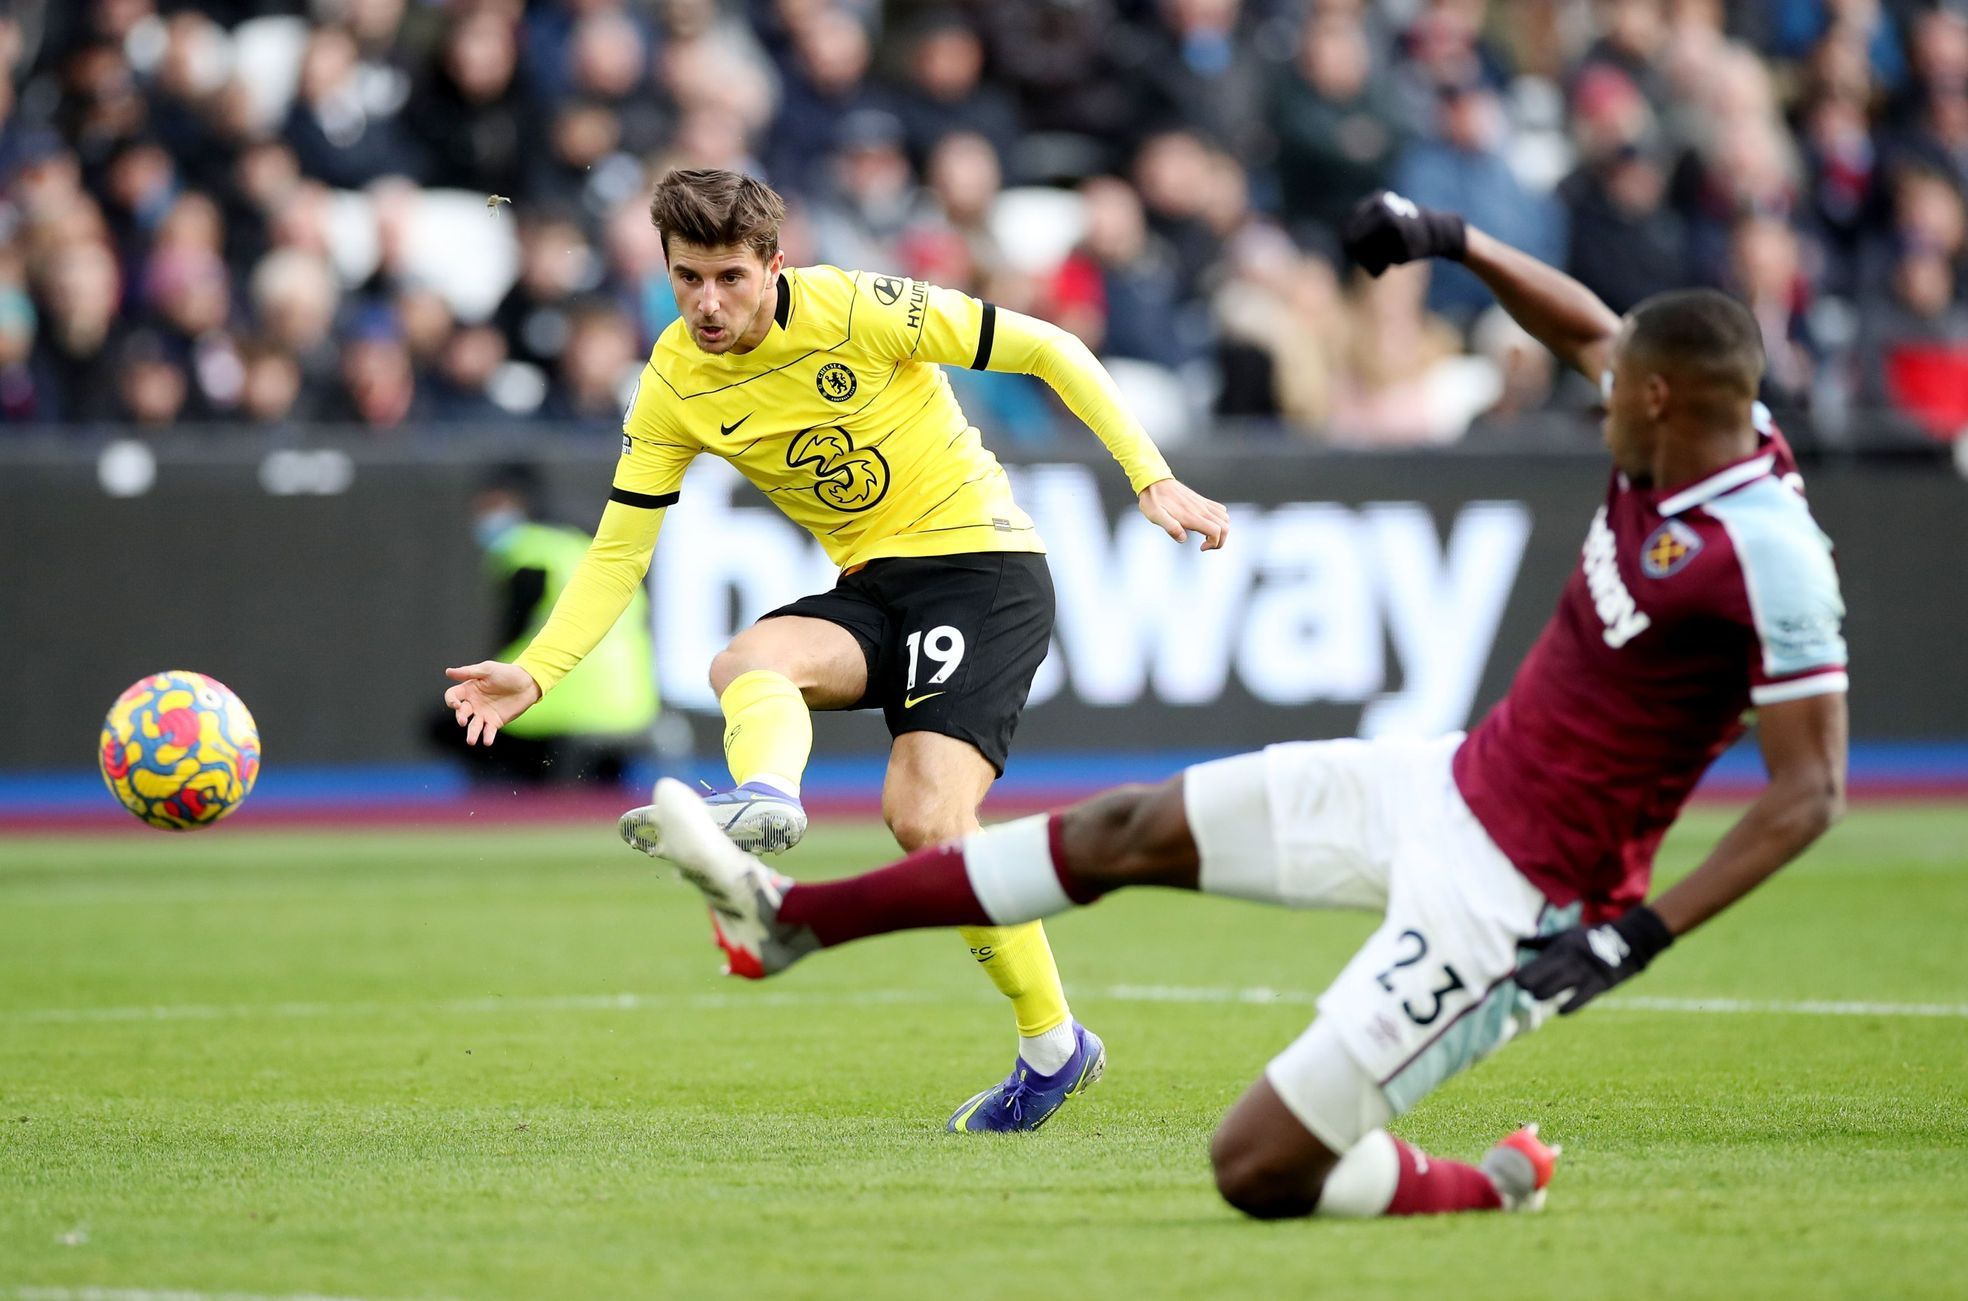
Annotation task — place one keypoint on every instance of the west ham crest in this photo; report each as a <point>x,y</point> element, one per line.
<point>1669,549</point>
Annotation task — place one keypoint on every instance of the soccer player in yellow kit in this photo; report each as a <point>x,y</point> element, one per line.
<point>823,388</point>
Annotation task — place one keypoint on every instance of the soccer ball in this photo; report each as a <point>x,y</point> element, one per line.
<point>179,750</point>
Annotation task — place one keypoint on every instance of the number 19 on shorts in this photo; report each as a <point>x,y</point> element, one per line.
<point>942,646</point>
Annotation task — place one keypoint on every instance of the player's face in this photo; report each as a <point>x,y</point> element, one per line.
<point>724,292</point>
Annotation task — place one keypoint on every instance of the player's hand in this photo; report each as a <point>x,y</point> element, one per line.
<point>1178,512</point>
<point>489,695</point>
<point>1586,961</point>
<point>1387,229</point>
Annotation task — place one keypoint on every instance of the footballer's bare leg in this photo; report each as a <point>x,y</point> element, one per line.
<point>1130,835</point>
<point>1267,1164</point>
<point>821,659</point>
<point>934,787</point>
<point>767,680</point>
<point>1270,1165</point>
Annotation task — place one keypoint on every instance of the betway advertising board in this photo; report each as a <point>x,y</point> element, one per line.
<point>1350,600</point>
<point>1365,595</point>
<point>1369,594</point>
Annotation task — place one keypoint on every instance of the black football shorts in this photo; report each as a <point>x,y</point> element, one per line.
<point>953,642</point>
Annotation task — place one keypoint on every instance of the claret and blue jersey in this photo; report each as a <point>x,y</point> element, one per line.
<point>1688,608</point>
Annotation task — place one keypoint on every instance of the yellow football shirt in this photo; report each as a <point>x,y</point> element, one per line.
<point>843,418</point>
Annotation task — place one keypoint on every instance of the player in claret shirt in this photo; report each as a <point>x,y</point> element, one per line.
<point>1511,865</point>
<point>824,388</point>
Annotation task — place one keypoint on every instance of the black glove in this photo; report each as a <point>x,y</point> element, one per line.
<point>1589,960</point>
<point>1386,229</point>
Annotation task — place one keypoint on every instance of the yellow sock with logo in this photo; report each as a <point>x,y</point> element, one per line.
<point>768,732</point>
<point>1018,959</point>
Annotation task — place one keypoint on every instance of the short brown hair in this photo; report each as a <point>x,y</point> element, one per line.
<point>712,207</point>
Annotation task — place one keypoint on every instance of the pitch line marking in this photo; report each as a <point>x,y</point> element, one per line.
<point>623,1002</point>
<point>154,1294</point>
<point>1617,1002</point>
<point>1779,1007</point>
<point>741,999</point>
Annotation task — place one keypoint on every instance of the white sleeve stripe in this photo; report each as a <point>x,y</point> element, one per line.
<point>1818,684</point>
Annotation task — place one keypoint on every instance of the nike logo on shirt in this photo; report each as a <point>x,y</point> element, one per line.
<point>732,428</point>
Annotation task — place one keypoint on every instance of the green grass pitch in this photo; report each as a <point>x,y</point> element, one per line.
<point>501,1063</point>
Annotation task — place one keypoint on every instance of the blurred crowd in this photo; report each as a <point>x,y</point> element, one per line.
<point>400,213</point>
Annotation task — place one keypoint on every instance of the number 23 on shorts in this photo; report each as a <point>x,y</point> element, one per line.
<point>1425,1006</point>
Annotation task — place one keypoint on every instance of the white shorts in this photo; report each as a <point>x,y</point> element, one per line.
<point>1377,825</point>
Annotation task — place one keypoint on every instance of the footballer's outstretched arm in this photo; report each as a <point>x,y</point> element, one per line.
<point>1804,748</point>
<point>490,694</point>
<point>1558,311</point>
<point>1555,309</point>
<point>1033,347</point>
<point>960,331</point>
<point>1803,744</point>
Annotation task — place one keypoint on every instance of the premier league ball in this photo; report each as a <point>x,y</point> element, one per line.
<point>179,750</point>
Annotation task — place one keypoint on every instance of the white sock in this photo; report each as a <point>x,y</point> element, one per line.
<point>1362,1185</point>
<point>1049,1052</point>
<point>1011,873</point>
<point>786,786</point>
